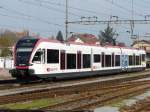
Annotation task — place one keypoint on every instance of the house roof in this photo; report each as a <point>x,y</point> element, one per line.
<point>86,38</point>
<point>144,44</point>
<point>141,41</point>
<point>121,44</point>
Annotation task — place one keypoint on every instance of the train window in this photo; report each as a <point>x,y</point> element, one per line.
<point>37,57</point>
<point>71,61</point>
<point>52,56</point>
<point>108,60</point>
<point>137,60</point>
<point>97,58</point>
<point>130,60</point>
<point>143,57</point>
<point>103,59</point>
<point>86,60</point>
<point>117,60</point>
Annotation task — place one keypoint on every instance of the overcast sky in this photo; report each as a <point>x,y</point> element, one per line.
<point>47,17</point>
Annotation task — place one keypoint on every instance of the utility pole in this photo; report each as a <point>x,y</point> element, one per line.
<point>132,21</point>
<point>66,23</point>
<point>132,10</point>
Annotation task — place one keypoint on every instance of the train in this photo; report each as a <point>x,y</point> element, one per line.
<point>51,59</point>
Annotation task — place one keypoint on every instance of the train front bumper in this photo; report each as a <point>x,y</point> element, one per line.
<point>21,72</point>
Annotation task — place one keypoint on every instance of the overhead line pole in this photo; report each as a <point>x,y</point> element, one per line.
<point>132,22</point>
<point>66,23</point>
<point>132,10</point>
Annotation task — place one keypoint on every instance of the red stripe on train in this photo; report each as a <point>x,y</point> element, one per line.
<point>22,67</point>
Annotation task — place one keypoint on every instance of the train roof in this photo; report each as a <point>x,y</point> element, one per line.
<point>40,39</point>
<point>85,44</point>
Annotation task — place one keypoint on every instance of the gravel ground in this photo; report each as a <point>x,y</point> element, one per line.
<point>4,74</point>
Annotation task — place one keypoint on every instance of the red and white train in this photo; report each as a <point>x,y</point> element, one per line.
<point>44,58</point>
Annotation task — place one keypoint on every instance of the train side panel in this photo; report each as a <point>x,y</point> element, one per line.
<point>54,59</point>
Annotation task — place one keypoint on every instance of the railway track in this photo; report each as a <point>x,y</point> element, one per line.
<point>47,86</point>
<point>12,84</point>
<point>99,91</point>
<point>99,97</point>
<point>83,94</point>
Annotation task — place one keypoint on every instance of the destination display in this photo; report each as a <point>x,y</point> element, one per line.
<point>26,42</point>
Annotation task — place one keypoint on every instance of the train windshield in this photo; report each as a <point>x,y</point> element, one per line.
<point>22,56</point>
<point>24,49</point>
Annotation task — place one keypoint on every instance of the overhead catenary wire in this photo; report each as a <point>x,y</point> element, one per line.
<point>27,17</point>
<point>43,6</point>
<point>125,9</point>
<point>141,6</point>
<point>78,9</point>
<point>23,28</point>
<point>21,15</point>
<point>48,7</point>
<point>24,17</point>
<point>58,4</point>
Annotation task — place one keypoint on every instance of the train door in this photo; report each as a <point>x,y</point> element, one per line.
<point>79,59</point>
<point>39,61</point>
<point>62,60</point>
<point>124,61</point>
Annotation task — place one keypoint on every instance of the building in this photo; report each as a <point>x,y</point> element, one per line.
<point>143,44</point>
<point>84,38</point>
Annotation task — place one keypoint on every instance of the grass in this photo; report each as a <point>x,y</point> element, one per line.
<point>36,104</point>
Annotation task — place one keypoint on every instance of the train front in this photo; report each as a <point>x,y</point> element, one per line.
<point>22,54</point>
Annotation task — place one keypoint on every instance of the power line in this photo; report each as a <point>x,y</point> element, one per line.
<point>49,8</point>
<point>12,26</point>
<point>79,9</point>
<point>27,17</point>
<point>37,29</point>
<point>136,5</point>
<point>123,8</point>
